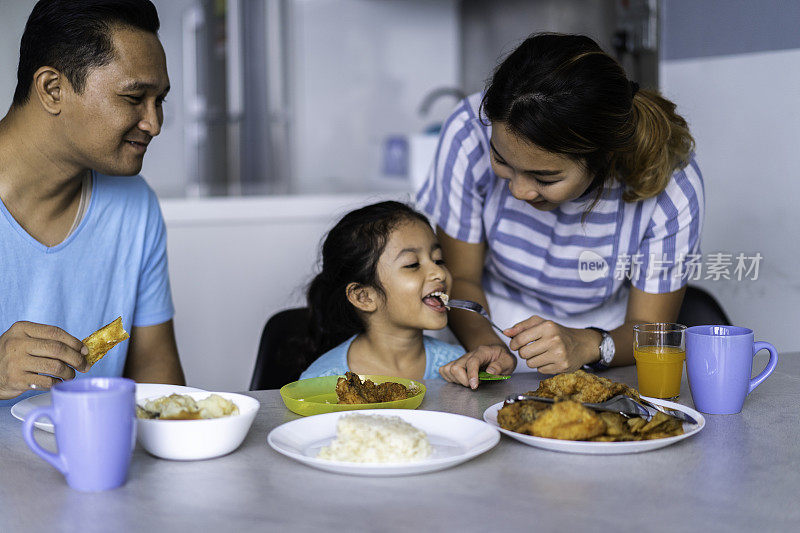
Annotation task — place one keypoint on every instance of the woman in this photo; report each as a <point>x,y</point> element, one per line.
<point>567,201</point>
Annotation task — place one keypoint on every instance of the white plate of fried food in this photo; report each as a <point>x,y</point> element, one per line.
<point>20,410</point>
<point>567,426</point>
<point>379,442</point>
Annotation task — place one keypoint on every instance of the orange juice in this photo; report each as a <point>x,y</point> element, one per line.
<point>659,370</point>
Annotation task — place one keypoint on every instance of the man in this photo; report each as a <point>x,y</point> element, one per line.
<point>81,241</point>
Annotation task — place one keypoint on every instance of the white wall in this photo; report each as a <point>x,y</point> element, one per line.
<point>488,35</point>
<point>744,111</point>
<point>359,70</point>
<point>234,262</point>
<point>13,15</point>
<point>165,166</point>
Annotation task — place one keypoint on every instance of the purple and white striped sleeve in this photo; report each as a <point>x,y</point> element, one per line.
<point>673,233</point>
<point>454,192</point>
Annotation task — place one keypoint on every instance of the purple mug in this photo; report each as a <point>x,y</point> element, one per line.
<point>95,429</point>
<point>719,363</point>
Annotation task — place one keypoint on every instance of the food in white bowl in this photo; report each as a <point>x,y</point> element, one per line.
<point>184,407</point>
<point>190,440</point>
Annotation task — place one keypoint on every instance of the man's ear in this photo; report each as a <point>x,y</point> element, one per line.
<point>48,86</point>
<point>362,297</point>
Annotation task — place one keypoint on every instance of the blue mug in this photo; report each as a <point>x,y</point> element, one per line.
<point>719,363</point>
<point>95,427</point>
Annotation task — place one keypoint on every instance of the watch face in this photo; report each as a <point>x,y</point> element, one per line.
<point>607,349</point>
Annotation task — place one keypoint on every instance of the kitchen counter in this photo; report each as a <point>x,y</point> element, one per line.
<point>740,473</point>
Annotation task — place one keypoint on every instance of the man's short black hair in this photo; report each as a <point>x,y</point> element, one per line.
<point>74,36</point>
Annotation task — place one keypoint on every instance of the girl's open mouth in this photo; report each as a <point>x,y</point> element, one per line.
<point>437,300</point>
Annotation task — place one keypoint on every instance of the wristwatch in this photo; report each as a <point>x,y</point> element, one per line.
<point>607,350</point>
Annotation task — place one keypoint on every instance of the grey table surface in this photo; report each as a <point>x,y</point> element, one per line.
<point>741,473</point>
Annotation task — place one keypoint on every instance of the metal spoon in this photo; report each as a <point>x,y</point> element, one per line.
<point>475,307</point>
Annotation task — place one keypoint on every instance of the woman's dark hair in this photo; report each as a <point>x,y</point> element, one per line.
<point>74,36</point>
<point>350,254</point>
<point>565,95</point>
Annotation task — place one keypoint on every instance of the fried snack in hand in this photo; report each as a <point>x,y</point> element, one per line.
<point>582,387</point>
<point>351,390</point>
<point>105,338</point>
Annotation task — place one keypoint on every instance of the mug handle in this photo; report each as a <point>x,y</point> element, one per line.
<point>773,362</point>
<point>54,459</point>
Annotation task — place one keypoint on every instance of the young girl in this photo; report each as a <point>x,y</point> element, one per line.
<point>381,284</point>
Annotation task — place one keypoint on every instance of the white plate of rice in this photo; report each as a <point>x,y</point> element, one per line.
<point>383,442</point>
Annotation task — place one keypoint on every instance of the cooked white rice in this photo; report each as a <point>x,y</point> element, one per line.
<point>376,439</point>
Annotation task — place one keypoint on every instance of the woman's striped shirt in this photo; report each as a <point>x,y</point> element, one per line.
<point>552,262</point>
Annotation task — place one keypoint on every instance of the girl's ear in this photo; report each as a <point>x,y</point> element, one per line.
<point>362,297</point>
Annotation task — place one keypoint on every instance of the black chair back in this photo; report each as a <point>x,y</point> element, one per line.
<point>278,361</point>
<point>699,308</point>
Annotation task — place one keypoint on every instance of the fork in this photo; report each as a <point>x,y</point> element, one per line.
<point>624,405</point>
<point>680,415</point>
<point>475,307</point>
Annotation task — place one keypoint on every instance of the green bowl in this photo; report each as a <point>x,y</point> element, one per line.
<point>315,396</point>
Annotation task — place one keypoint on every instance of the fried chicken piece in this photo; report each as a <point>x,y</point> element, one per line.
<point>351,390</point>
<point>513,415</point>
<point>388,391</point>
<point>616,428</point>
<point>615,424</point>
<point>661,425</point>
<point>636,424</point>
<point>582,387</point>
<point>567,420</point>
<point>347,391</point>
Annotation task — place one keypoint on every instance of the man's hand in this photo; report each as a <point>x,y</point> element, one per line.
<point>28,350</point>
<point>495,358</point>
<point>552,348</point>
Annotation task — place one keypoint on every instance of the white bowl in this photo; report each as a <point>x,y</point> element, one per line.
<point>190,440</point>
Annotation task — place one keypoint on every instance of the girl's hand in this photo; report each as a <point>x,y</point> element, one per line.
<point>495,358</point>
<point>552,348</point>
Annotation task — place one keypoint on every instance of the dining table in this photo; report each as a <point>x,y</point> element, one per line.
<point>741,472</point>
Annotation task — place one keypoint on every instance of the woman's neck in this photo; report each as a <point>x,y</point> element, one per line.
<point>399,353</point>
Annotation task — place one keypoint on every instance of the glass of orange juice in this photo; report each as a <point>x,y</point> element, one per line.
<point>659,350</point>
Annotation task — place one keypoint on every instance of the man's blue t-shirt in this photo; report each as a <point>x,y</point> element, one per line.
<point>113,264</point>
<point>334,361</point>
